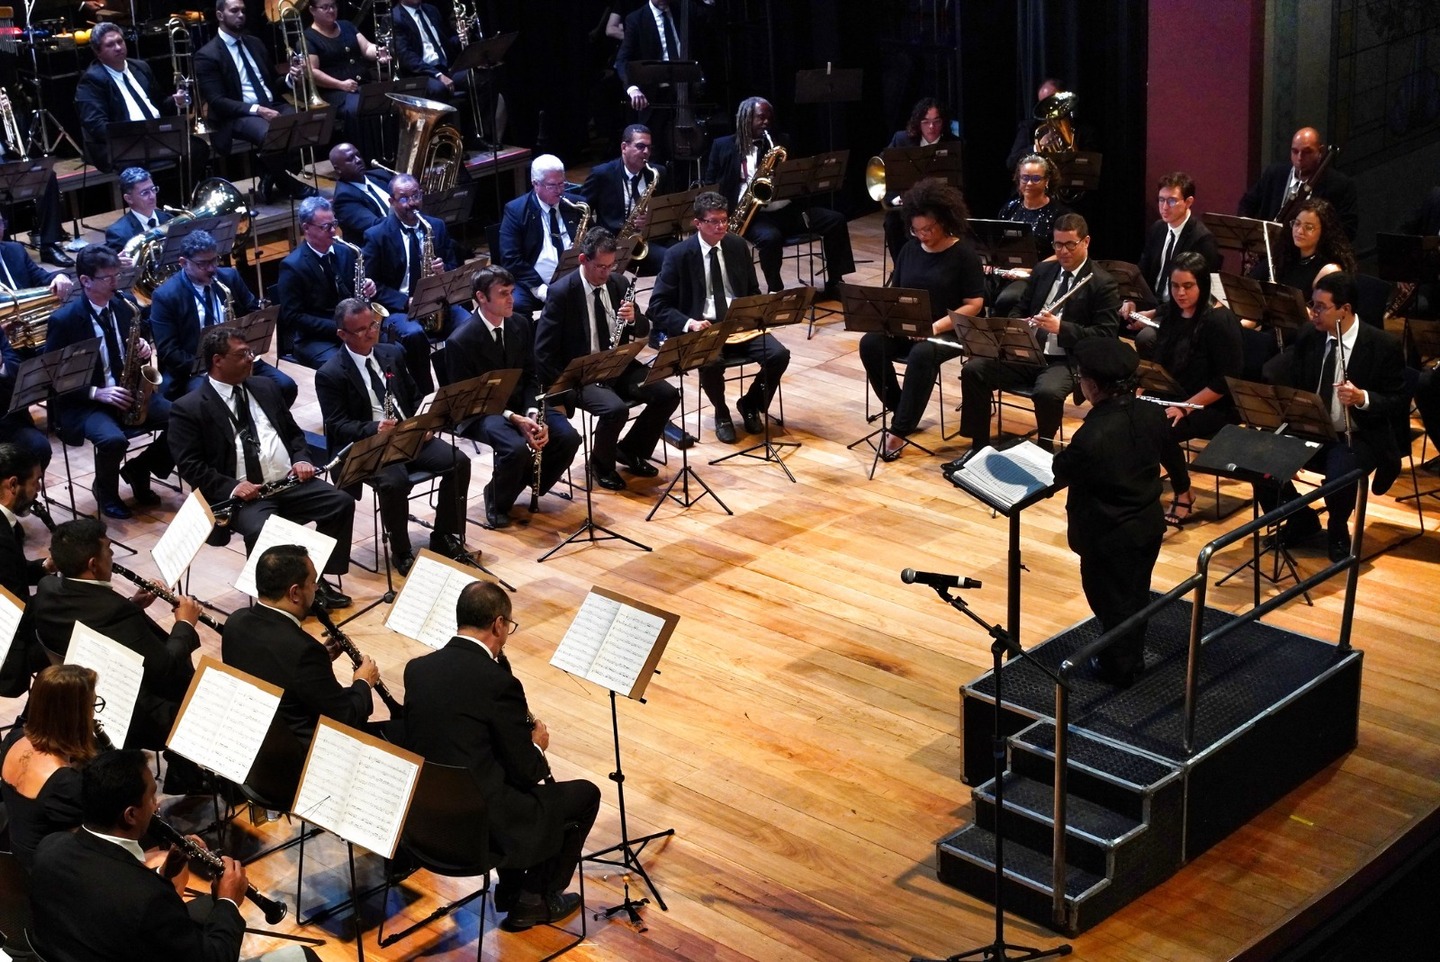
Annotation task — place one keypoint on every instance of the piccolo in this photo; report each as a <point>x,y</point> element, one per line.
<point>161,592</point>
<point>1055,306</point>
<point>222,510</point>
<point>397,710</point>
<point>1171,404</point>
<point>274,909</point>
<point>1136,317</point>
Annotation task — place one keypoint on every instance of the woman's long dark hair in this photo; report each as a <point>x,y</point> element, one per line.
<point>1334,246</point>
<point>1179,336</point>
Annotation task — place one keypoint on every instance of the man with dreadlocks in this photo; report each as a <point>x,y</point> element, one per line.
<point>1112,467</point>
<point>732,164</point>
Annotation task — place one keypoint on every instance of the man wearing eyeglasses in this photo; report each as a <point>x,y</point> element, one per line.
<point>234,434</point>
<point>1358,371</point>
<point>1088,311</point>
<point>352,388</point>
<point>535,232</point>
<point>1280,182</point>
<point>142,200</point>
<point>201,294</point>
<point>314,277</point>
<point>1178,230</point>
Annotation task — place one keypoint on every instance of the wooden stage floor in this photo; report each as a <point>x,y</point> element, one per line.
<point>802,738</point>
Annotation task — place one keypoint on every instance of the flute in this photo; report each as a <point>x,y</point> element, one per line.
<point>1171,404</point>
<point>1009,274</point>
<point>1055,305</point>
<point>161,592</point>
<point>274,909</point>
<point>1138,318</point>
<point>397,710</point>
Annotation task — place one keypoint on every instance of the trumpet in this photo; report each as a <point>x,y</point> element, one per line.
<point>274,909</point>
<point>161,592</point>
<point>344,643</point>
<point>10,129</point>
<point>182,64</point>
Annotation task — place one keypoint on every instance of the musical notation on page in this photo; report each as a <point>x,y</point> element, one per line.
<point>11,609</point>
<point>223,720</point>
<point>615,642</point>
<point>357,786</point>
<point>182,539</point>
<point>118,670</point>
<point>278,530</point>
<point>425,607</point>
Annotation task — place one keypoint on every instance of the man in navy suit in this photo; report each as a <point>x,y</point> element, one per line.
<point>362,196</point>
<point>18,272</point>
<point>687,298</point>
<point>115,89</point>
<point>95,413</point>
<point>496,338</point>
<point>426,45</point>
<point>577,321</point>
<point>1092,311</point>
<point>614,188</point>
<point>732,164</point>
<point>314,277</point>
<point>142,198</point>
<point>393,257</point>
<point>1278,182</point>
<point>352,387</point>
<point>535,232</point>
<point>200,295</point>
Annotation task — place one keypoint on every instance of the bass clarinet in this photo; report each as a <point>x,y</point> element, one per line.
<point>275,910</point>
<point>161,592</point>
<point>397,710</point>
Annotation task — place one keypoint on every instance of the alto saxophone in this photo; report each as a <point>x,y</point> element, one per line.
<point>536,454</point>
<point>357,283</point>
<point>227,310</point>
<point>580,228</point>
<point>642,207</point>
<point>430,323</point>
<point>759,192</point>
<point>133,378</point>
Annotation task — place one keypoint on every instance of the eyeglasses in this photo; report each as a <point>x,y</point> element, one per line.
<point>1168,201</point>
<point>1317,308</point>
<point>925,230</point>
<point>99,704</point>
<point>151,191</point>
<point>514,626</point>
<point>244,352</point>
<point>368,328</point>
<point>640,146</point>
<point>103,278</point>
<point>203,262</point>
<point>1304,227</point>
<point>715,222</point>
<point>1031,178</point>
<point>329,228</point>
<point>1067,246</point>
<point>544,185</point>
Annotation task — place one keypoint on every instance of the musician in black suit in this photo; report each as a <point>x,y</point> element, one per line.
<point>732,164</point>
<point>115,89</point>
<point>1112,469</point>
<point>18,272</point>
<point>929,124</point>
<point>81,552</point>
<point>577,321</point>
<point>495,338</point>
<point>239,88</point>
<point>394,251</point>
<point>362,196</point>
<point>142,200</point>
<point>268,640</point>
<point>1092,311</point>
<point>96,414</point>
<point>94,897</point>
<point>465,707</point>
<point>1364,401</point>
<point>1178,230</point>
<point>1268,196</point>
<point>684,299</point>
<point>314,277</point>
<point>18,428</point>
<point>652,32</point>
<point>47,233</point>
<point>208,423</point>
<point>535,232</point>
<point>352,388</point>
<point>614,188</point>
<point>200,295</point>
<point>425,46</point>
<point>19,488</point>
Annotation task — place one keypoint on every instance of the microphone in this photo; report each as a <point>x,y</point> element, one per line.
<point>935,580</point>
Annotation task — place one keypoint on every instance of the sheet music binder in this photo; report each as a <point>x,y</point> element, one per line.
<point>615,642</point>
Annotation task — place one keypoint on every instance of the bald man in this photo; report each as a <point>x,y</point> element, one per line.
<point>1278,182</point>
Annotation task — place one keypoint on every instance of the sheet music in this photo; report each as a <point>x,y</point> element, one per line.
<point>277,530</point>
<point>1217,289</point>
<point>182,538</point>
<point>608,643</point>
<point>11,609</point>
<point>224,723</point>
<point>425,609</point>
<point>358,791</point>
<point>119,672</point>
<point>1009,476</point>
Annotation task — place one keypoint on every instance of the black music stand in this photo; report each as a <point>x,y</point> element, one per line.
<point>145,143</point>
<point>1133,287</point>
<point>895,312</point>
<point>375,102</point>
<point>583,370</point>
<point>438,292</point>
<point>22,180</point>
<point>1276,306</point>
<point>453,205</point>
<point>304,130</point>
<point>58,372</point>
<point>570,259</point>
<point>1252,237</point>
<point>1076,173</point>
<point>1008,340</point>
<point>672,213</point>
<point>904,166</point>
<point>829,86</point>
<point>678,356</point>
<point>223,227</point>
<point>258,328</point>
<point>760,312</point>
<point>1004,244</point>
<point>484,53</point>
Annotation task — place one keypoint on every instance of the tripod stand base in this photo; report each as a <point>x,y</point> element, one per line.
<point>629,850</point>
<point>587,532</point>
<point>878,446</point>
<point>683,498</point>
<point>1001,950</point>
<point>771,453</point>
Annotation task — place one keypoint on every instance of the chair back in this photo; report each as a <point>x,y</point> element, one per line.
<point>14,899</point>
<point>447,829</point>
<point>1374,295</point>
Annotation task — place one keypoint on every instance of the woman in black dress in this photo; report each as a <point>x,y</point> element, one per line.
<point>1033,206</point>
<point>1199,346</point>
<point>340,59</point>
<point>938,261</point>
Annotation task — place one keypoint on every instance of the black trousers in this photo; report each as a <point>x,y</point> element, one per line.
<point>578,803</point>
<point>1117,585</point>
<point>768,230</point>
<point>766,351</point>
<point>1052,384</point>
<point>514,464</point>
<point>610,404</point>
<point>392,485</point>
<point>878,354</point>
<point>332,510</point>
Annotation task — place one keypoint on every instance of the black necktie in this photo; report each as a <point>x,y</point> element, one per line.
<point>634,191</point>
<point>1327,375</point>
<point>717,284</point>
<point>376,384</point>
<point>249,440</point>
<point>153,222</point>
<point>261,94</point>
<point>555,236</point>
<point>19,534</point>
<point>140,100</point>
<point>112,343</point>
<point>1161,287</point>
<point>503,662</point>
<point>671,40</point>
<point>434,38</point>
<point>327,261</point>
<point>602,328</point>
<point>1065,278</point>
<point>211,317</point>
<point>414,243</point>
<point>374,194</point>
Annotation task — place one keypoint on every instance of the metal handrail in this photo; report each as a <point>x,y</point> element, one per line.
<point>1199,583</point>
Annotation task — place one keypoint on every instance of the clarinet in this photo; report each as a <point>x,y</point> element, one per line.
<point>223,509</point>
<point>42,512</point>
<point>161,592</point>
<point>397,710</point>
<point>549,776</point>
<point>536,454</point>
<point>274,909</point>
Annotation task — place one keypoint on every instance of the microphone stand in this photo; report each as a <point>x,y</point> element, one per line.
<point>1001,644</point>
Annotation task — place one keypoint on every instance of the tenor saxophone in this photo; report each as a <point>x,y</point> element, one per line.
<point>759,192</point>
<point>133,378</point>
<point>227,310</point>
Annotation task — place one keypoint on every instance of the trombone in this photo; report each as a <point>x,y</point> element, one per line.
<point>182,63</point>
<point>306,94</point>
<point>384,38</point>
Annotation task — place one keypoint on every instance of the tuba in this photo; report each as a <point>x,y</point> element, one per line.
<point>297,53</point>
<point>628,229</point>
<point>430,151</point>
<point>759,192</point>
<point>25,315</point>
<point>1056,132</point>
<point>214,197</point>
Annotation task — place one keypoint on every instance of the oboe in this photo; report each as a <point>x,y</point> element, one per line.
<point>275,910</point>
<point>536,453</point>
<point>346,645</point>
<point>161,592</point>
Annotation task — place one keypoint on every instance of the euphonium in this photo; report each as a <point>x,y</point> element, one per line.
<point>429,151</point>
<point>358,281</point>
<point>10,129</point>
<point>1056,132</point>
<point>759,192</point>
<point>25,315</point>
<point>297,53</point>
<point>642,206</point>
<point>214,197</point>
<point>182,64</point>
<point>584,224</point>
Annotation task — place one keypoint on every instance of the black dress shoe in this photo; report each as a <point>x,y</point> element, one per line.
<point>532,910</point>
<point>295,188</point>
<point>750,416</point>
<point>1112,676</point>
<point>112,507</point>
<point>329,597</point>
<point>725,430</point>
<point>1300,527</point>
<point>640,467</point>
<point>1339,545</point>
<point>56,255</point>
<point>138,478</point>
<point>402,563</point>
<point>678,437</point>
<point>494,517</point>
<point>608,478</point>
<point>265,188</point>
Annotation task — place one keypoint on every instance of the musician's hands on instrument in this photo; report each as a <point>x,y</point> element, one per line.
<point>181,98</point>
<point>268,113</point>
<point>437,266</point>
<point>366,671</point>
<point>187,609</point>
<point>231,882</point>
<point>626,312</point>
<point>126,261</point>
<point>1175,414</point>
<point>115,396</point>
<point>142,599</point>
<point>350,86</point>
<point>638,100</point>
<point>540,735</point>
<point>332,648</point>
<point>367,288</point>
<point>696,324</point>
<point>1046,321</point>
<point>303,470</point>
<point>1350,395</point>
<point>246,491</point>
<point>449,84</point>
<point>61,285</point>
